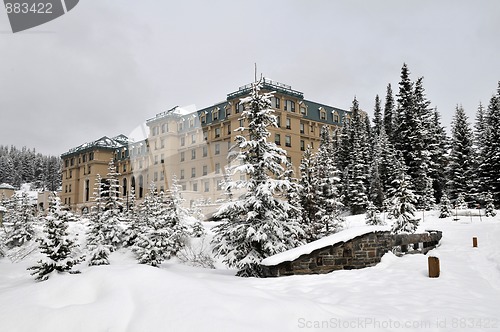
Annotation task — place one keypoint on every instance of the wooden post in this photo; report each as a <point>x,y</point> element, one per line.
<point>474,242</point>
<point>434,269</point>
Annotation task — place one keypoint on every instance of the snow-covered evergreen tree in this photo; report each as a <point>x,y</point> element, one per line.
<point>18,222</point>
<point>445,207</point>
<point>372,215</point>
<point>460,168</point>
<point>307,194</point>
<point>256,226</point>
<point>56,245</point>
<point>460,203</point>
<point>198,230</point>
<point>490,167</point>
<point>402,205</point>
<point>326,181</point>
<point>355,190</point>
<point>489,208</point>
<point>389,112</point>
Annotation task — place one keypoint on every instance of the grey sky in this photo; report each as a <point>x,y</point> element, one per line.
<point>107,66</point>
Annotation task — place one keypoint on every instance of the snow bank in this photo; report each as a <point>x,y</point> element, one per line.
<point>342,236</point>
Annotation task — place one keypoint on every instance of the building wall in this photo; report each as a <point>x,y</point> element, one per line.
<point>193,147</point>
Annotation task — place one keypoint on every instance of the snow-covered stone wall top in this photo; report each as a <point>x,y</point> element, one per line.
<point>6,186</point>
<point>306,249</point>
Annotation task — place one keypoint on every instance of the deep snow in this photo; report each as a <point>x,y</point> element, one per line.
<point>395,295</point>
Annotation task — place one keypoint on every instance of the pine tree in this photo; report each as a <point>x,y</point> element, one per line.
<point>490,167</point>
<point>460,168</point>
<point>308,194</point>
<point>378,121</point>
<point>162,233</point>
<point>56,245</point>
<point>489,210</point>
<point>445,207</point>
<point>326,182</point>
<point>19,222</point>
<point>372,215</point>
<point>389,112</point>
<point>355,189</point>
<point>460,203</point>
<point>256,225</point>
<point>402,205</point>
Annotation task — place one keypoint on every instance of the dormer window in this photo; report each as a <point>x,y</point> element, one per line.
<point>215,114</point>
<point>322,113</point>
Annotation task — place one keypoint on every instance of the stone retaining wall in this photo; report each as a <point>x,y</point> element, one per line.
<point>359,252</point>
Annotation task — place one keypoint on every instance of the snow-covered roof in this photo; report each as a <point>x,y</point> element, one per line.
<point>343,236</point>
<point>6,186</point>
<point>103,142</point>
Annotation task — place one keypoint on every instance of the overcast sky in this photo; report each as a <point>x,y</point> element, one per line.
<point>107,66</point>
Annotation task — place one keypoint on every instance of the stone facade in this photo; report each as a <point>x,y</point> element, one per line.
<point>362,251</point>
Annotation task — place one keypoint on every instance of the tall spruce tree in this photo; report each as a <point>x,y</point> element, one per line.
<point>389,112</point>
<point>490,167</point>
<point>326,181</point>
<point>308,194</point>
<point>256,225</point>
<point>460,168</point>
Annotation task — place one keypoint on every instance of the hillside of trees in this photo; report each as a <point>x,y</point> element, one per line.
<point>18,166</point>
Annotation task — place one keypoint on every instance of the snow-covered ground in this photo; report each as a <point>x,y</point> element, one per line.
<point>395,295</point>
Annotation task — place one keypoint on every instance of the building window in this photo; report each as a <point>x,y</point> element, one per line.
<point>181,126</point>
<point>163,128</point>
<point>203,118</point>
<point>217,168</point>
<point>84,158</point>
<point>193,172</point>
<point>336,117</point>
<point>277,139</point>
<point>275,102</point>
<point>288,123</point>
<point>193,154</point>
<point>228,128</point>
<point>217,132</point>
<point>219,185</point>
<point>288,141</point>
<point>278,121</point>
<point>156,160</point>
<point>183,185</point>
<point>183,141</point>
<point>228,111</point>
<point>155,177</point>
<point>193,138</point>
<point>87,189</point>
<point>302,145</point>
<point>215,114</point>
<point>91,156</point>
<point>195,186</point>
<point>72,162</point>
<point>289,160</point>
<point>205,135</point>
<point>205,170</point>
<point>289,106</point>
<point>242,123</point>
<point>182,156</point>
<point>217,148</point>
<point>162,175</point>
<point>66,162</point>
<point>207,187</point>
<point>239,108</point>
<point>302,130</point>
<point>124,168</point>
<point>205,151</point>
<point>322,114</point>
<point>191,123</point>
<point>303,110</point>
<point>182,174</point>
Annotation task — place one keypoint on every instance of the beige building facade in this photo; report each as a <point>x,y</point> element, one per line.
<point>192,146</point>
